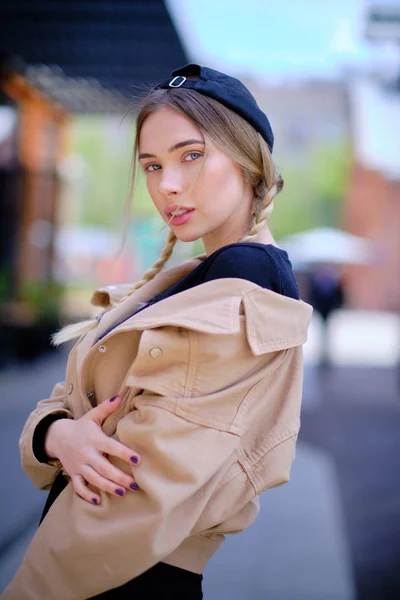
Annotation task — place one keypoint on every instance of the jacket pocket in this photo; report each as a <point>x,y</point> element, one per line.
<point>162,362</point>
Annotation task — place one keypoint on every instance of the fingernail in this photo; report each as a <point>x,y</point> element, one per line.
<point>134,486</point>
<point>134,459</point>
<point>95,501</point>
<point>113,398</point>
<point>120,491</point>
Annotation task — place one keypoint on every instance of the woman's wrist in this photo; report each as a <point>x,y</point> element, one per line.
<point>52,435</point>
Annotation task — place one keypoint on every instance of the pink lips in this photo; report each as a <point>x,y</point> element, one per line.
<point>179,219</point>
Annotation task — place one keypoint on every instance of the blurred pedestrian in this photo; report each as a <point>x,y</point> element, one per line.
<point>202,362</point>
<point>325,295</point>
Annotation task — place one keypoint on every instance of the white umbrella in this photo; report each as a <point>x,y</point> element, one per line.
<point>329,246</point>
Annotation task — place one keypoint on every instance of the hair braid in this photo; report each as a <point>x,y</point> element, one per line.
<point>158,265</point>
<point>266,200</point>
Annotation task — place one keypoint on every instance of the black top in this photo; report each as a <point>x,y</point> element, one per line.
<point>266,265</point>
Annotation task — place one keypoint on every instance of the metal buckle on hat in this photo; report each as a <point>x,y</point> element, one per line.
<point>172,84</point>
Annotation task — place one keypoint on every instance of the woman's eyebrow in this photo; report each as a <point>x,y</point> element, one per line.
<point>185,143</point>
<point>174,147</point>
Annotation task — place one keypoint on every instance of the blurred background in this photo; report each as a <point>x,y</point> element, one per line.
<point>328,77</point>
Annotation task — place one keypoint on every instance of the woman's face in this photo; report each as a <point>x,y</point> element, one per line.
<point>217,208</point>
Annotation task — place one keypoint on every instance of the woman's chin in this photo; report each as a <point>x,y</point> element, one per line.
<point>186,235</point>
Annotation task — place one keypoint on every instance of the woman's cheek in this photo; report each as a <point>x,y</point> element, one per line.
<point>152,189</point>
<point>224,175</point>
<point>211,178</point>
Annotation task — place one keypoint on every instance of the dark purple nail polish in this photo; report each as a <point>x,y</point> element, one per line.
<point>113,398</point>
<point>134,486</point>
<point>134,459</point>
<point>95,501</point>
<point>120,491</point>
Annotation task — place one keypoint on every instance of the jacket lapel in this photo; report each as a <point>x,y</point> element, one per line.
<point>121,311</point>
<point>273,322</point>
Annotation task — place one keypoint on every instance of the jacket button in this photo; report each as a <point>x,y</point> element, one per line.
<point>102,348</point>
<point>90,395</point>
<point>155,352</point>
<point>70,388</point>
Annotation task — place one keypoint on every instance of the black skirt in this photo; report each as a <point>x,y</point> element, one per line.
<point>161,582</point>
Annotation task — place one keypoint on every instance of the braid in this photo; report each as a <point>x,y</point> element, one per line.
<point>77,329</point>
<point>266,199</point>
<point>158,265</point>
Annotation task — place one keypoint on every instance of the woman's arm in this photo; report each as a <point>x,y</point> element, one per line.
<point>52,440</point>
<point>41,473</point>
<point>85,550</point>
<point>81,446</point>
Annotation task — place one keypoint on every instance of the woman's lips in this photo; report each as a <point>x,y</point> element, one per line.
<point>182,219</point>
<point>182,216</point>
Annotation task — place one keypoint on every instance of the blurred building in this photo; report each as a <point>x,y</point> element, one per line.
<point>373,203</point>
<point>121,44</point>
<point>304,114</point>
<point>363,108</point>
<point>372,207</point>
<point>58,59</point>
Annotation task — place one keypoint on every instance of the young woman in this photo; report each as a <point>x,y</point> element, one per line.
<point>181,401</point>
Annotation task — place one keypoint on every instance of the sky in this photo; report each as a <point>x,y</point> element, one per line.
<point>274,39</point>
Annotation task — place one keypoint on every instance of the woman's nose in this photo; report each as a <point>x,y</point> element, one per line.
<point>170,183</point>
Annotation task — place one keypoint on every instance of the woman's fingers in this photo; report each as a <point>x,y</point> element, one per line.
<point>101,482</point>
<point>111,446</point>
<point>101,412</point>
<point>105,477</point>
<point>80,487</point>
<point>103,466</point>
<point>83,454</point>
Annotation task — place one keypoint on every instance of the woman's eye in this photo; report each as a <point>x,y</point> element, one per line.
<point>192,156</point>
<point>152,167</point>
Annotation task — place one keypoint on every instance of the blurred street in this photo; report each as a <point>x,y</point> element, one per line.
<point>332,533</point>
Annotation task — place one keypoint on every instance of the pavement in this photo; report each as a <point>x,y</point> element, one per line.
<point>333,532</point>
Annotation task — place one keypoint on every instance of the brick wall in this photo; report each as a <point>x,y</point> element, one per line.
<point>372,210</point>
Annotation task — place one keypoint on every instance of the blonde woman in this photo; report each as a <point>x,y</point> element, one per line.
<point>181,400</point>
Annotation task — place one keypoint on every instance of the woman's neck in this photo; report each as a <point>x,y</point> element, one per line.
<point>264,236</point>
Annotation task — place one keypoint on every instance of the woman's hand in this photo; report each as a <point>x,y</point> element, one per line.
<point>80,446</point>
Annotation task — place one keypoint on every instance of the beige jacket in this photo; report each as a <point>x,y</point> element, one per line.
<point>211,380</point>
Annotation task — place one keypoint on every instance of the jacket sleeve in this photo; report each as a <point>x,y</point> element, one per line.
<point>85,549</point>
<point>41,474</point>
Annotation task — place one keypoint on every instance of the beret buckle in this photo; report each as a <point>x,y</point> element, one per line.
<point>173,83</point>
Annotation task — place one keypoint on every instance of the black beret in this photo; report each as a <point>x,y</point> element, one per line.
<point>226,89</point>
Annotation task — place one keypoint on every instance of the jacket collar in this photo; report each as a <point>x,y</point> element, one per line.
<point>109,297</point>
<point>273,321</point>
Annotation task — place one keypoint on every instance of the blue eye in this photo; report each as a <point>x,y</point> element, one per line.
<point>153,167</point>
<point>193,154</point>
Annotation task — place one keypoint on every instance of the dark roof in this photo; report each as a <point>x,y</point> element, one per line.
<point>120,43</point>
<point>77,94</point>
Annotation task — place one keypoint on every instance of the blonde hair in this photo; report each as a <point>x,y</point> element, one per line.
<point>236,137</point>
